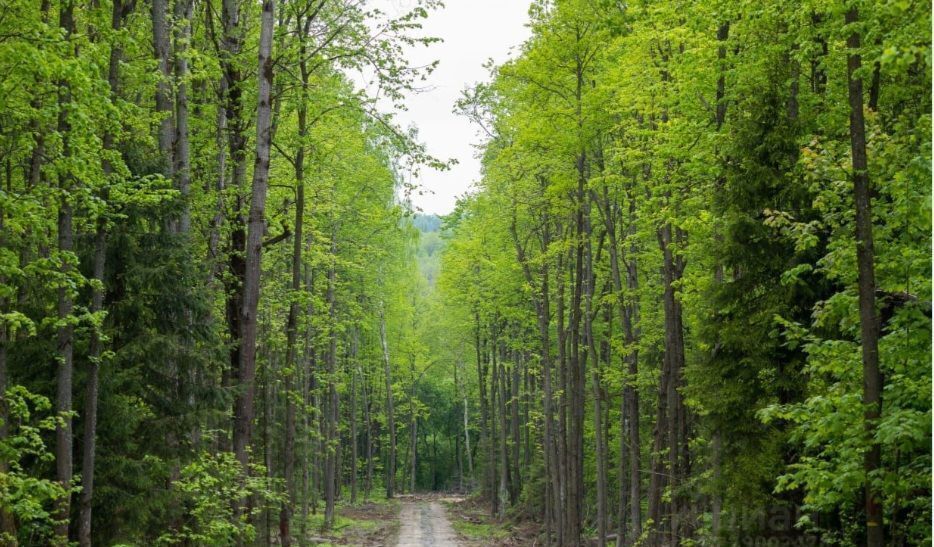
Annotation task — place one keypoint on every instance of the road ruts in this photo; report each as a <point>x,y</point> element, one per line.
<point>424,524</point>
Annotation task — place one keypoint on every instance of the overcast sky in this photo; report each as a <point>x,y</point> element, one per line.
<point>473,31</point>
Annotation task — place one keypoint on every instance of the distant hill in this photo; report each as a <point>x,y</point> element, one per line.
<point>427,223</point>
<point>430,245</point>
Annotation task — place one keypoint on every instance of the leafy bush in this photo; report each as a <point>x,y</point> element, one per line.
<point>26,501</point>
<point>209,489</point>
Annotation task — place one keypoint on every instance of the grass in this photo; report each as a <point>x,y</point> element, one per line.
<point>364,523</point>
<point>471,521</point>
<point>479,531</point>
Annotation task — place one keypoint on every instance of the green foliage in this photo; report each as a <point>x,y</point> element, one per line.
<point>728,124</point>
<point>25,498</point>
<point>208,488</point>
<point>698,154</point>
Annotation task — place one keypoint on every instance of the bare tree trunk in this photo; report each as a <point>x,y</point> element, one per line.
<point>161,49</point>
<point>865,256</point>
<point>305,454</point>
<point>528,385</point>
<point>624,501</point>
<point>515,473</point>
<point>182,159</point>
<point>65,369</point>
<point>629,409</point>
<point>63,451</point>
<point>485,446</point>
<point>353,417</point>
<point>723,33</point>
<point>220,137</point>
<point>674,365</point>
<point>91,395</point>
<point>288,455</point>
<point>390,411</point>
<point>268,397</point>
<point>243,405</point>
<point>119,12</point>
<point>461,386</point>
<point>413,443</point>
<point>588,280</point>
<point>561,438</point>
<point>499,387</point>
<point>576,365</point>
<point>331,438</point>
<point>543,313</point>
<point>459,456</point>
<point>575,431</point>
<point>306,429</point>
<point>659,473</point>
<point>631,328</point>
<point>231,45</point>
<point>317,426</point>
<point>368,427</point>
<point>717,502</point>
<point>317,423</point>
<point>493,437</point>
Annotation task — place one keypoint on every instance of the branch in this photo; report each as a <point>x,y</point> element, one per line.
<point>286,233</point>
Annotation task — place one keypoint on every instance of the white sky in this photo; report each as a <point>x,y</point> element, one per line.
<point>473,32</point>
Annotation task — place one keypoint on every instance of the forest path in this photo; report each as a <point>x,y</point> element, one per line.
<point>425,524</point>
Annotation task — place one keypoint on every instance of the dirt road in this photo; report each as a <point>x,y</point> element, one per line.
<point>424,524</point>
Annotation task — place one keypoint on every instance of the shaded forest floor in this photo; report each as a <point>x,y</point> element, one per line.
<point>471,519</point>
<point>366,524</point>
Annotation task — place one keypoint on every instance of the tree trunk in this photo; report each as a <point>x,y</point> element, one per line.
<point>390,412</point>
<point>65,335</point>
<point>528,387</point>
<point>268,400</point>
<point>498,387</point>
<point>231,45</point>
<point>632,359</point>
<point>627,309</point>
<point>119,11</point>
<point>353,417</point>
<point>576,365</point>
<point>91,395</point>
<point>515,472</point>
<point>243,405</point>
<point>306,426</point>
<point>868,316</point>
<point>485,445</point>
<point>563,387</point>
<point>291,367</point>
<point>461,386</point>
<point>63,450</point>
<point>331,438</point>
<point>413,443</point>
<point>659,473</point>
<point>543,314</point>
<point>575,430</point>
<point>182,158</point>
<point>674,365</point>
<point>220,138</point>
<point>588,280</point>
<point>368,432</point>
<point>493,436</point>
<point>161,49</point>
<point>7,520</point>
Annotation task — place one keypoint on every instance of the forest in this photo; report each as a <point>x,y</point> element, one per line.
<point>687,302</point>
